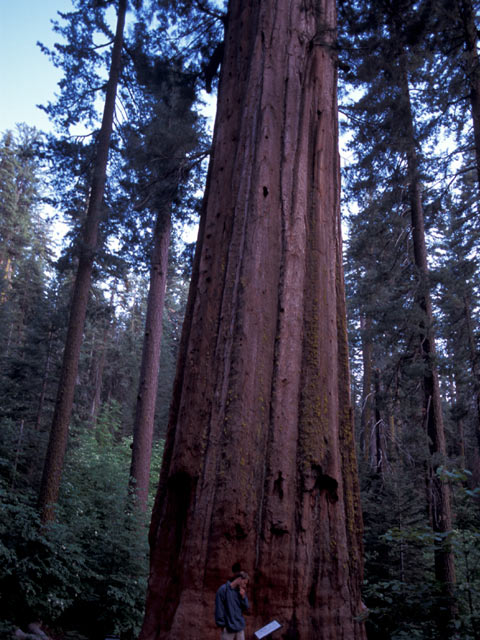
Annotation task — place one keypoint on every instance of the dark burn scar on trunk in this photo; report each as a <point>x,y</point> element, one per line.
<point>316,480</point>
<point>278,485</point>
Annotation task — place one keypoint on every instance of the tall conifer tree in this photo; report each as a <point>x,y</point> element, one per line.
<point>159,154</point>
<point>390,38</point>
<point>59,431</point>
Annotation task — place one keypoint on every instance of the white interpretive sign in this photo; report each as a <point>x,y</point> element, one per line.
<point>267,629</point>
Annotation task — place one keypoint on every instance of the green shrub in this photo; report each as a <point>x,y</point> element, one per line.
<point>88,571</point>
<point>400,588</point>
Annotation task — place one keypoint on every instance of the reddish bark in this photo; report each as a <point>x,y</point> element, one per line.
<point>52,471</point>
<point>259,465</point>
<point>147,390</point>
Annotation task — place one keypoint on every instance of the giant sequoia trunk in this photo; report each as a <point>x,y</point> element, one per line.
<point>259,466</point>
<point>439,492</point>
<point>57,445</point>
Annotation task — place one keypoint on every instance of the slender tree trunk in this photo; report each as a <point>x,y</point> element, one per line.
<point>461,443</point>
<point>472,71</point>
<point>57,445</point>
<point>148,383</point>
<point>43,390</point>
<point>259,466</point>
<point>99,365</point>
<point>459,403</point>
<point>367,391</point>
<point>439,492</point>
<point>379,453</point>
<point>473,364</point>
<point>472,349</point>
<point>17,455</point>
<point>6,270</point>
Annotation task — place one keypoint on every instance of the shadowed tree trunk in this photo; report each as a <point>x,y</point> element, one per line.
<point>366,417</point>
<point>473,357</point>
<point>472,349</point>
<point>152,341</point>
<point>52,471</point>
<point>46,371</point>
<point>378,455</point>
<point>99,361</point>
<point>259,466</point>
<point>438,491</point>
<point>99,367</point>
<point>459,401</point>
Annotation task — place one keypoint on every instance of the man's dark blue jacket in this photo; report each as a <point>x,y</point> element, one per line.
<point>229,606</point>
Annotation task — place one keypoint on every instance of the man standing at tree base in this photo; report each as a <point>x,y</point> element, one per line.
<point>230,603</point>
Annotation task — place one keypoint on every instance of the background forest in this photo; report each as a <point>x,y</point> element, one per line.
<point>90,334</point>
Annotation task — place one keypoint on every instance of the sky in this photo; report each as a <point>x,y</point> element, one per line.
<point>28,76</point>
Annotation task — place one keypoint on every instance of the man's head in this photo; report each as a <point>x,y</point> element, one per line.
<point>240,579</point>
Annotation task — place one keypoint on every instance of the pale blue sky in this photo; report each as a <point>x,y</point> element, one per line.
<point>27,76</point>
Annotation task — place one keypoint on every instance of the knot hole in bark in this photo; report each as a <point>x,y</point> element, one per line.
<point>265,192</point>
